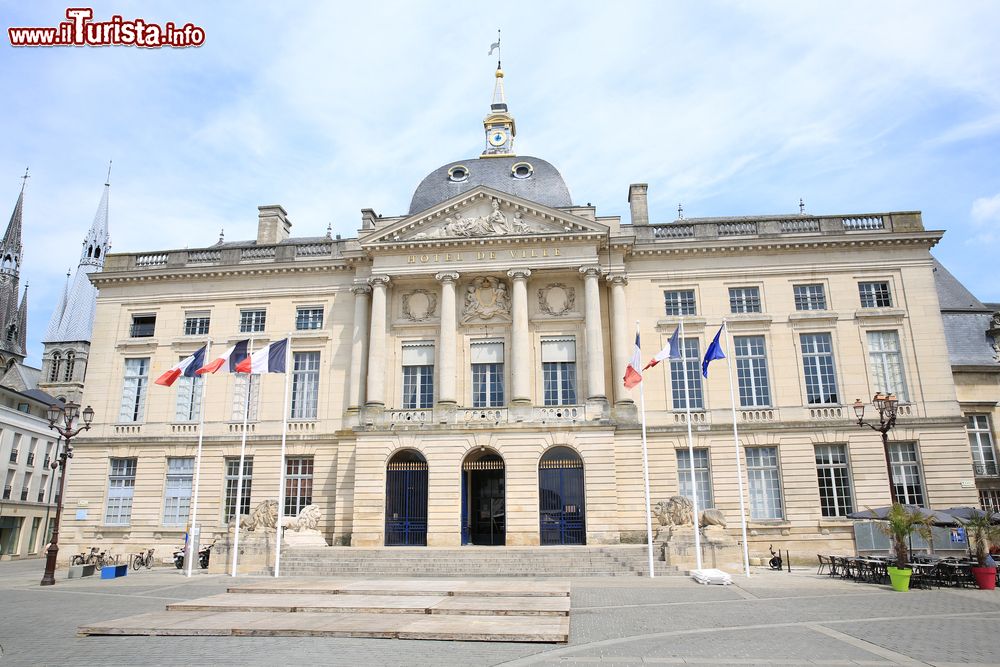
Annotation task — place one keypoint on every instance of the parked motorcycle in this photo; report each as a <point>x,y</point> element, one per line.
<point>203,556</point>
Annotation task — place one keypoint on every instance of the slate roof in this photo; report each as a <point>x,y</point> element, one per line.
<point>545,186</point>
<point>966,320</point>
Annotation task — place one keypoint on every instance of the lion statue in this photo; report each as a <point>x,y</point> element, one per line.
<point>676,511</point>
<point>308,519</point>
<point>263,517</point>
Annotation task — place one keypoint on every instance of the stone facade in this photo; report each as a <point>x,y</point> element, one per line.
<point>466,340</point>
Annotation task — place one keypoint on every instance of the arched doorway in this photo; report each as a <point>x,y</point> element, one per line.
<point>484,501</point>
<point>561,498</point>
<point>406,500</point>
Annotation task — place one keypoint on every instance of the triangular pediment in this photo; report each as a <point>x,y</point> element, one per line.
<point>482,213</point>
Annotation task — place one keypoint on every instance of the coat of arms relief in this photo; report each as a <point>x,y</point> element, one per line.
<point>486,298</point>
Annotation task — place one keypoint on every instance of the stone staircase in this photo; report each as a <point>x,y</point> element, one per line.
<point>471,561</point>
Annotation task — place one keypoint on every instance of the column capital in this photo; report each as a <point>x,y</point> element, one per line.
<point>591,270</point>
<point>446,276</point>
<point>519,274</point>
<point>361,286</point>
<point>379,280</point>
<point>617,278</point>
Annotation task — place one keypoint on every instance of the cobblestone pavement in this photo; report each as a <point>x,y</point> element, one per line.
<point>770,619</point>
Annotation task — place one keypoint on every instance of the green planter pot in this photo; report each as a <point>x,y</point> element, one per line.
<point>900,579</point>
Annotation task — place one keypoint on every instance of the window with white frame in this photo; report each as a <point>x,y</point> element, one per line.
<point>875,294</point>
<point>984,458</point>
<point>834,479</point>
<point>765,483</point>
<point>246,396</point>
<point>744,299</point>
<point>252,320</point>
<point>305,385</point>
<point>702,476</point>
<point>418,375</point>
<point>177,494</point>
<point>196,323</point>
<point>817,364</point>
<point>308,318</point>
<point>751,371</point>
<point>121,485</point>
<point>887,364</point>
<point>559,370</point>
<point>134,390</point>
<point>691,364</point>
<point>680,302</point>
<point>188,407</point>
<point>906,478</point>
<point>298,484</point>
<point>232,482</point>
<point>809,297</point>
<point>487,374</point>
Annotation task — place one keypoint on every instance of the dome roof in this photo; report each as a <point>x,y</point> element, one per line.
<point>540,182</point>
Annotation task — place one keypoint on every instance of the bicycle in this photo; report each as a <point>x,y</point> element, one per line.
<point>96,558</point>
<point>141,559</point>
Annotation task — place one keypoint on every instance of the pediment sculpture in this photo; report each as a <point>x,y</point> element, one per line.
<point>486,298</point>
<point>495,223</point>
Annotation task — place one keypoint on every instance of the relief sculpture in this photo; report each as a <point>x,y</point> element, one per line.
<point>495,223</point>
<point>486,298</point>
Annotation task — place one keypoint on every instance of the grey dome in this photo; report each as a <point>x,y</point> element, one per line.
<point>545,185</point>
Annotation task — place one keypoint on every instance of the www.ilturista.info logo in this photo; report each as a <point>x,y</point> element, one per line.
<point>80,30</point>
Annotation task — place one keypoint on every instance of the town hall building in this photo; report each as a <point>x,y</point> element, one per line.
<point>456,374</point>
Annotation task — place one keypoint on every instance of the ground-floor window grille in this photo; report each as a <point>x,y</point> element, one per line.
<point>298,484</point>
<point>232,480</point>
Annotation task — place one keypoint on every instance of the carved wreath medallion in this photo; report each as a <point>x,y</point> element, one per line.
<point>419,305</point>
<point>556,299</point>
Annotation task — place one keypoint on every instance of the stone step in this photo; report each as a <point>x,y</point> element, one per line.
<point>380,604</point>
<point>404,587</point>
<point>449,627</point>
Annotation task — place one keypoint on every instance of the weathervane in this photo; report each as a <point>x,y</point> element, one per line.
<point>495,46</point>
<point>24,179</point>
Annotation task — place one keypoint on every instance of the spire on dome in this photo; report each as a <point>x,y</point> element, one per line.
<point>499,124</point>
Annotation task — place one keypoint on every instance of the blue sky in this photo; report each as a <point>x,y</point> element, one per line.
<point>731,108</point>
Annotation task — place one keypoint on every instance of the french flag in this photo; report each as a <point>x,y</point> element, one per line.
<point>268,359</point>
<point>671,351</point>
<point>633,376</point>
<point>230,358</point>
<point>187,368</point>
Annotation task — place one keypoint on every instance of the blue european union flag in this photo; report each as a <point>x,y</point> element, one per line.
<point>713,352</point>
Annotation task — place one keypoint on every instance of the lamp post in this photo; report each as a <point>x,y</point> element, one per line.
<point>62,418</point>
<point>886,405</point>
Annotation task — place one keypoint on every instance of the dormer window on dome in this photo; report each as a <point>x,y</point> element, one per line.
<point>522,170</point>
<point>458,173</point>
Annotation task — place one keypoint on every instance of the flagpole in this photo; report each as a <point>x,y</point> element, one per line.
<point>736,444</point>
<point>694,484</point>
<point>281,473</point>
<point>193,535</point>
<point>645,473</point>
<point>243,450</point>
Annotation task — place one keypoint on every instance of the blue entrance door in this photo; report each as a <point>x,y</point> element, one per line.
<point>561,498</point>
<point>406,500</point>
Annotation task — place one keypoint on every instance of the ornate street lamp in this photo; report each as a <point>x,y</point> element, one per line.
<point>886,406</point>
<point>62,418</point>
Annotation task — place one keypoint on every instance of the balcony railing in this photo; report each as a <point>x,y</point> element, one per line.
<point>24,494</point>
<point>47,461</point>
<point>13,456</point>
<point>41,496</point>
<point>142,330</point>
<point>31,458</point>
<point>6,492</point>
<point>986,469</point>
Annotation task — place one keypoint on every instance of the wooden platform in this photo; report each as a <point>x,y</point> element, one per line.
<point>462,610</point>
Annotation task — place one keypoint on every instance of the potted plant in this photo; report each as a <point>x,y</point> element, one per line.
<point>981,532</point>
<point>899,524</point>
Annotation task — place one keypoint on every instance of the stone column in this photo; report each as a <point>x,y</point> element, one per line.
<point>447,347</point>
<point>520,353</point>
<point>359,345</point>
<point>621,341</point>
<point>376,345</point>
<point>592,326</point>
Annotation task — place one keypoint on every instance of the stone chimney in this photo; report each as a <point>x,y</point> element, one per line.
<point>637,203</point>
<point>368,218</point>
<point>273,225</point>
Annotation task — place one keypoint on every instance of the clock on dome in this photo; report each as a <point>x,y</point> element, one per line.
<point>499,124</point>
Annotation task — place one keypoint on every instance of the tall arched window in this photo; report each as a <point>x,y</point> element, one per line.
<point>70,360</point>
<point>54,368</point>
